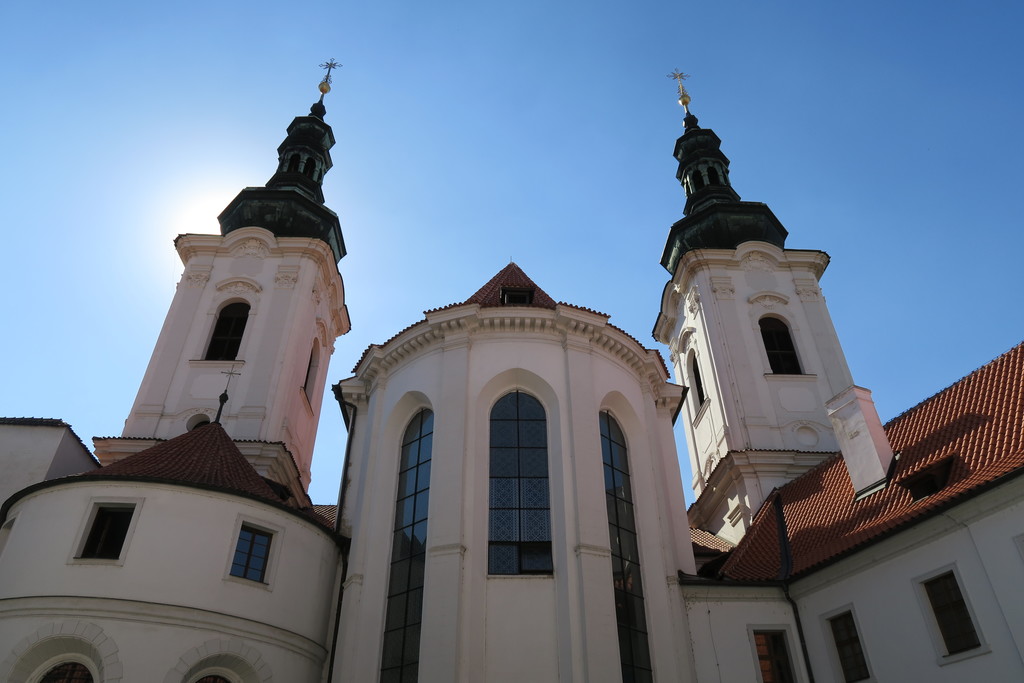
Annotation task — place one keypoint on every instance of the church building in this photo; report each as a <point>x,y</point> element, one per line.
<point>511,505</point>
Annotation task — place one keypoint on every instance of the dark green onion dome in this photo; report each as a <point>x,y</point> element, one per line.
<point>714,216</point>
<point>292,203</point>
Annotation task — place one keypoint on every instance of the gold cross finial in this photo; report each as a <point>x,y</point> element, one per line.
<point>325,85</point>
<point>684,96</point>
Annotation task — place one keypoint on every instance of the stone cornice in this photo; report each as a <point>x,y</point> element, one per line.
<point>748,256</point>
<point>262,243</point>
<point>572,327</point>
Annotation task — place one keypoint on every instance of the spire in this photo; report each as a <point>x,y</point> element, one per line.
<point>292,203</point>
<point>714,215</point>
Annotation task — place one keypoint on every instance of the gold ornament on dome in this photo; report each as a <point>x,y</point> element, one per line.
<point>325,85</point>
<point>684,96</point>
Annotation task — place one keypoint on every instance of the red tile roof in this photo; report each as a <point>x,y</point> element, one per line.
<point>513,277</point>
<point>705,543</point>
<point>978,422</point>
<point>205,456</point>
<point>328,514</point>
<point>489,296</point>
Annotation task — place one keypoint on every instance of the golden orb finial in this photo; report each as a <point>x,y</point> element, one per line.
<point>684,96</point>
<point>325,85</point>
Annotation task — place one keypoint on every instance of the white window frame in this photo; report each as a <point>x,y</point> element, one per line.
<point>833,652</point>
<point>276,538</point>
<point>932,625</point>
<point>795,661</point>
<point>95,503</point>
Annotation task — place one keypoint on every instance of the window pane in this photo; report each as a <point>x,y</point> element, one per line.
<point>519,524</point>
<point>400,658</point>
<point>951,614</point>
<point>627,587</point>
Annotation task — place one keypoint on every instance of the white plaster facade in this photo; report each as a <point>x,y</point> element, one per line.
<point>297,301</point>
<point>34,450</point>
<point>562,626</point>
<point>167,609</point>
<point>981,541</point>
<point>756,430</point>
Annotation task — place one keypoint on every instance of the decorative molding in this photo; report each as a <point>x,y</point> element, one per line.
<point>252,247</point>
<point>196,278</point>
<point>807,290</point>
<point>285,279</point>
<point>758,260</point>
<point>232,654</point>
<point>82,638</point>
<point>693,301</point>
<point>448,549</point>
<point>723,287</point>
<point>769,301</point>
<point>239,286</point>
<point>596,550</point>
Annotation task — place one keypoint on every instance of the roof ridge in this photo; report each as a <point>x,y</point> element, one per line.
<point>975,371</point>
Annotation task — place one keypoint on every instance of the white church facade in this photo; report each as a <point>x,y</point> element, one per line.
<point>511,506</point>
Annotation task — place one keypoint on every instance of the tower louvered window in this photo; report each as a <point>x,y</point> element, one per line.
<point>778,344</point>
<point>227,332</point>
<point>401,656</point>
<point>634,652</point>
<point>520,515</point>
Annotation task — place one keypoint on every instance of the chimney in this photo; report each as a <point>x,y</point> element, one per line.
<point>866,450</point>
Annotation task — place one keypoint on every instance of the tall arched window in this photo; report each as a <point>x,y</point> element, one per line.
<point>520,516</point>
<point>68,672</point>
<point>698,385</point>
<point>227,332</point>
<point>634,653</point>
<point>401,656</point>
<point>309,385</point>
<point>778,344</point>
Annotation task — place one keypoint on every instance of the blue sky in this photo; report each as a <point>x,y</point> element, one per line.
<point>469,133</point>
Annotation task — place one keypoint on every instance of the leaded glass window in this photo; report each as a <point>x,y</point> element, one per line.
<point>520,514</point>
<point>634,652</point>
<point>401,656</point>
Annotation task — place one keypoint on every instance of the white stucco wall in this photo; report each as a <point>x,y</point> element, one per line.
<point>458,365</point>
<point>710,313</point>
<point>30,454</point>
<point>981,542</point>
<point>295,294</point>
<point>171,590</point>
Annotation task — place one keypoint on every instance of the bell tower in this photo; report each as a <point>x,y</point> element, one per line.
<point>255,316</point>
<point>750,336</point>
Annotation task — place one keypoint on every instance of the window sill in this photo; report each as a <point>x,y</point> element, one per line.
<point>97,561</point>
<point>248,582</point>
<point>982,649</point>
<point>521,576</point>
<point>701,411</point>
<point>776,377</point>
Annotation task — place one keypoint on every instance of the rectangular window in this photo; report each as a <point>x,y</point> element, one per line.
<point>251,554</point>
<point>107,533</point>
<point>951,613</point>
<point>773,657</point>
<point>848,648</point>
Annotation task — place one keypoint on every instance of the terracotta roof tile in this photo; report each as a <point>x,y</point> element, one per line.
<point>511,276</point>
<point>707,543</point>
<point>205,456</point>
<point>328,514</point>
<point>977,423</point>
